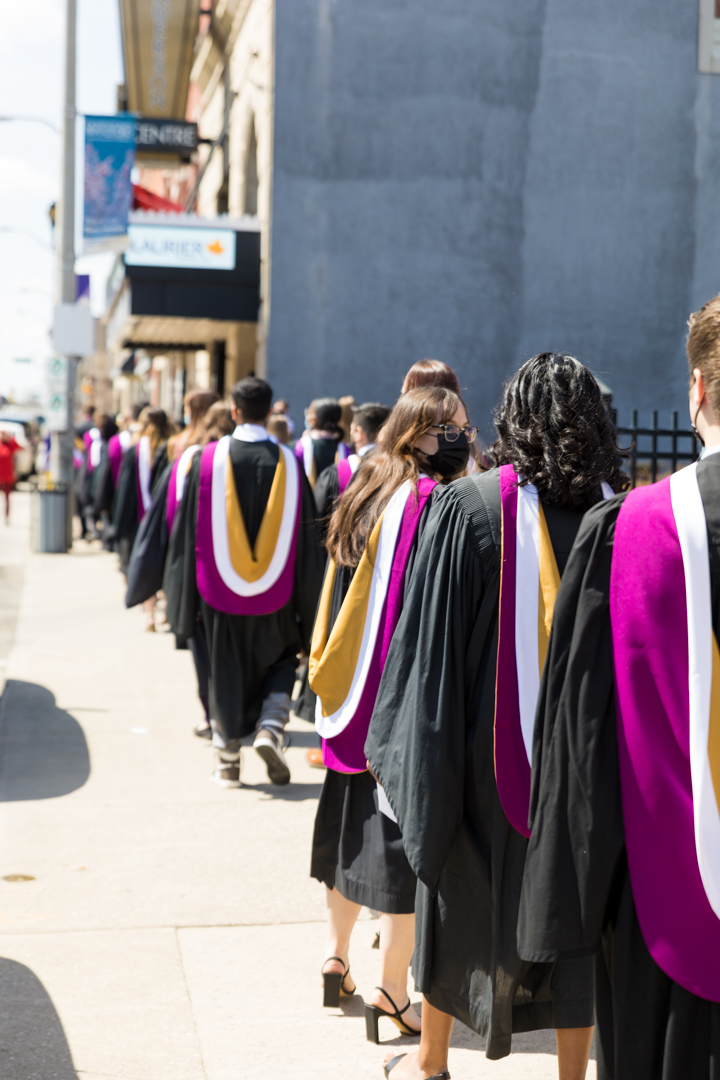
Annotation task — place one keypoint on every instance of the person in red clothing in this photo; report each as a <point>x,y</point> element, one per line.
<point>8,448</point>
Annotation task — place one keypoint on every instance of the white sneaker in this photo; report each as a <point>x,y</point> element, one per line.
<point>226,773</point>
<point>270,748</point>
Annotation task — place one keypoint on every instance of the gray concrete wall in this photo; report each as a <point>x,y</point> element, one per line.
<point>478,181</point>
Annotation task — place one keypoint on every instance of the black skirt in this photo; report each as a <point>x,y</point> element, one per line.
<point>358,850</point>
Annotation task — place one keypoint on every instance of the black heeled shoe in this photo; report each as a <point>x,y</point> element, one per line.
<point>387,1069</point>
<point>374,1012</point>
<point>334,984</point>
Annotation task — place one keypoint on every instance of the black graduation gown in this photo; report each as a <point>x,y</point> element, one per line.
<point>326,493</point>
<point>356,848</point>
<point>147,559</point>
<point>81,488</point>
<point>104,491</point>
<point>95,475</point>
<point>431,744</point>
<point>83,491</point>
<point>324,453</point>
<point>104,499</point>
<point>304,706</point>
<point>250,655</point>
<point>125,513</point>
<point>576,897</point>
<point>145,574</point>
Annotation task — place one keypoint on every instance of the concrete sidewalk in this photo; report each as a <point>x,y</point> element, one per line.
<point>169,930</point>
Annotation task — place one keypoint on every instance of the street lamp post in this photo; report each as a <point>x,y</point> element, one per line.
<point>61,459</point>
<point>66,238</point>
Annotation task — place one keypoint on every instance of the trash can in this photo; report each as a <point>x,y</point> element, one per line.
<point>48,518</point>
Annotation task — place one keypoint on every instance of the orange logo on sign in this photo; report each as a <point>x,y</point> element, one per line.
<point>216,248</point>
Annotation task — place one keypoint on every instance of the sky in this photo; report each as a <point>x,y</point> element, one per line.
<point>31,84</point>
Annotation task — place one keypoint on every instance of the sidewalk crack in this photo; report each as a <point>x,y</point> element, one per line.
<point>190,1002</point>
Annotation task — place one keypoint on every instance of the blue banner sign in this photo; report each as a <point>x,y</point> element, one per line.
<point>109,159</point>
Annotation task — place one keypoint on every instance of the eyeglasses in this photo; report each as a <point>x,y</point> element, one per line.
<point>452,432</point>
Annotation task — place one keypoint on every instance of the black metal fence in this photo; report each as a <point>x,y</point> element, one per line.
<point>655,452</point>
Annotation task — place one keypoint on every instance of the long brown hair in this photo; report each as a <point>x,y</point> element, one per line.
<point>217,422</point>
<point>388,467</point>
<point>156,426</point>
<point>197,403</point>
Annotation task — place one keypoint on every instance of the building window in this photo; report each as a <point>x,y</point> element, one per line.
<point>709,37</point>
<point>251,174</point>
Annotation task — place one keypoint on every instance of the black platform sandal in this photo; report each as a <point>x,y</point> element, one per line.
<point>387,1069</point>
<point>334,984</point>
<point>374,1012</point>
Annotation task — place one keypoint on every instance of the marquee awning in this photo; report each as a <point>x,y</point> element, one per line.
<point>158,38</point>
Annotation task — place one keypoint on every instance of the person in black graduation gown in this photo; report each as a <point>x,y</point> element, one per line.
<point>81,482</point>
<point>431,739</point>
<point>318,445</point>
<point>218,422</point>
<point>577,898</point>
<point>126,514</point>
<point>108,431</point>
<point>149,551</point>
<point>357,848</point>
<point>92,476</point>
<point>211,419</point>
<point>106,492</point>
<point>367,421</point>
<point>253,658</point>
<point>87,422</point>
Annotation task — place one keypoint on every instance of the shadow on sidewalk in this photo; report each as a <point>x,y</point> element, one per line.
<point>43,752</point>
<point>288,793</point>
<point>32,1039</point>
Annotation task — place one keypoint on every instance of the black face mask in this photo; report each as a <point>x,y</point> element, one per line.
<point>450,458</point>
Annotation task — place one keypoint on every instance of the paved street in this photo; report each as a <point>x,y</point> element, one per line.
<point>171,931</point>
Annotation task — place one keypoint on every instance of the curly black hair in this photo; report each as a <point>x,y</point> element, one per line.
<point>554,427</point>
